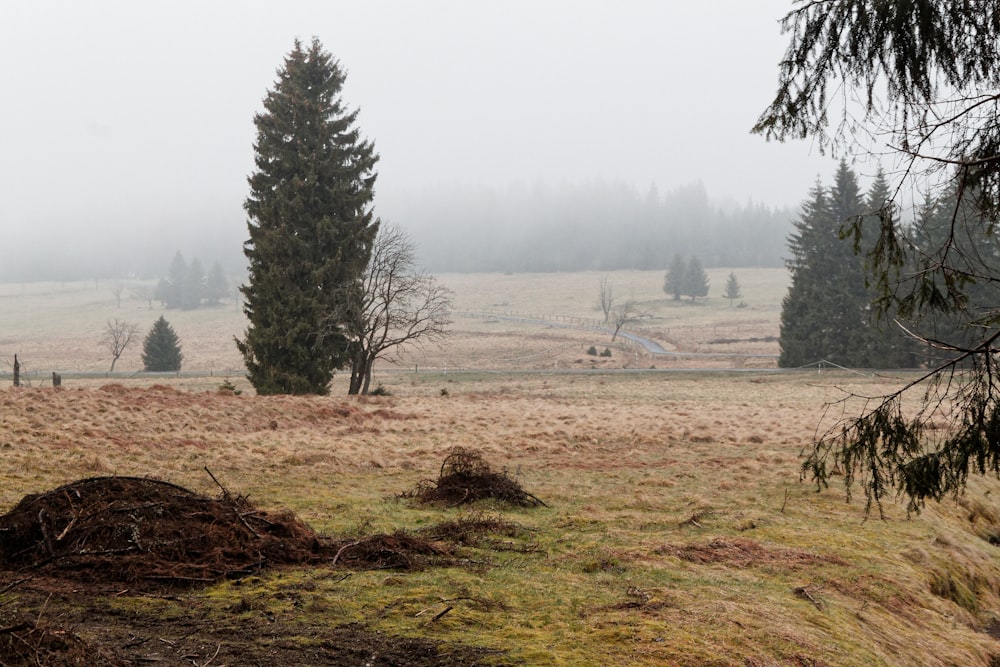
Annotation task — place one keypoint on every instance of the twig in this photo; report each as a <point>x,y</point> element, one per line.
<point>76,515</point>
<point>803,592</point>
<point>137,642</point>
<point>693,519</point>
<point>225,491</point>
<point>14,584</point>
<point>336,556</point>
<point>784,502</point>
<point>217,649</point>
<point>24,625</point>
<point>45,532</point>
<point>440,613</point>
<point>229,498</point>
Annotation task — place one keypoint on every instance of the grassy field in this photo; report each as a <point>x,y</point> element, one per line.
<point>676,530</point>
<point>58,326</point>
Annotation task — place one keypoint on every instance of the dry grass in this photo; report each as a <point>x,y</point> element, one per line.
<point>676,532</point>
<point>58,326</point>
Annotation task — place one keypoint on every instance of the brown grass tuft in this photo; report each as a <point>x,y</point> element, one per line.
<point>746,553</point>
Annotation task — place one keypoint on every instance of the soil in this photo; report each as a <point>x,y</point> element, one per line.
<point>67,555</point>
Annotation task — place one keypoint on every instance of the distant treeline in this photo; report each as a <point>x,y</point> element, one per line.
<point>599,226</point>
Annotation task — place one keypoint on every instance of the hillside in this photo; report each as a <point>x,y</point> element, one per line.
<point>675,529</point>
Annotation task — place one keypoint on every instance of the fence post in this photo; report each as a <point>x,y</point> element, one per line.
<point>17,372</point>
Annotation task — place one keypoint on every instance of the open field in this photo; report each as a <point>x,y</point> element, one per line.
<point>58,326</point>
<point>676,530</point>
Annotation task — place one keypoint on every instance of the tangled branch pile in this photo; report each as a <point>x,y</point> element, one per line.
<point>466,477</point>
<point>144,532</point>
<point>398,551</point>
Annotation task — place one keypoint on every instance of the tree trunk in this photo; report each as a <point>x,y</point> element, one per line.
<point>357,372</point>
<point>368,374</point>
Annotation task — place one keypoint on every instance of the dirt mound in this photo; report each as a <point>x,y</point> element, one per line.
<point>140,533</point>
<point>466,477</point>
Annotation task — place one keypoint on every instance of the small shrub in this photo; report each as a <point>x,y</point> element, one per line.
<point>380,390</point>
<point>606,353</point>
<point>161,351</point>
<point>741,304</point>
<point>444,391</point>
<point>592,351</point>
<point>228,387</point>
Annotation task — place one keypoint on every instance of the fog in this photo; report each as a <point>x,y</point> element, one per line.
<point>127,127</point>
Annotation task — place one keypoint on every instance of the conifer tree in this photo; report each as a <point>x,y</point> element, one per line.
<point>827,313</point>
<point>695,279</point>
<point>311,226</point>
<point>732,291</point>
<point>216,284</point>
<point>161,350</point>
<point>927,75</point>
<point>170,290</point>
<point>673,282</point>
<point>801,324</point>
<point>193,288</point>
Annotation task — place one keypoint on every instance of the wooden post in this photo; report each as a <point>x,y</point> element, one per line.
<point>17,372</point>
<point>56,379</point>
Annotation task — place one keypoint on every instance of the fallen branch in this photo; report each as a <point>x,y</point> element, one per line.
<point>440,614</point>
<point>341,550</point>
<point>803,592</point>
<point>229,499</point>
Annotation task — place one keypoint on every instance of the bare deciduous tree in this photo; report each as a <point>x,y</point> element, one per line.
<point>118,335</point>
<point>144,293</point>
<point>607,297</point>
<point>622,313</point>
<point>118,290</point>
<point>394,307</point>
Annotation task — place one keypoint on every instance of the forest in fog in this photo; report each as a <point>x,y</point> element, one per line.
<point>467,228</point>
<point>594,226</point>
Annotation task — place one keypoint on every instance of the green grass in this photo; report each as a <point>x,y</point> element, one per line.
<point>677,531</point>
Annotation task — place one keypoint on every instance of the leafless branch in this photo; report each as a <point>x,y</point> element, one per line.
<point>395,307</point>
<point>118,335</point>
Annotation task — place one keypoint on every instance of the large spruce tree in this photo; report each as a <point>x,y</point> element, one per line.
<point>827,314</point>
<point>311,226</point>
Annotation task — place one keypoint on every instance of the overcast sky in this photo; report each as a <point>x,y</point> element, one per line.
<point>133,120</point>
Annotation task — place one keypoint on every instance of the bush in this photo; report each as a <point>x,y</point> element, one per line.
<point>592,351</point>
<point>380,391</point>
<point>227,387</point>
<point>606,353</point>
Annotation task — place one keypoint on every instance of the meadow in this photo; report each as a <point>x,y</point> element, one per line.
<point>676,529</point>
<point>58,326</point>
